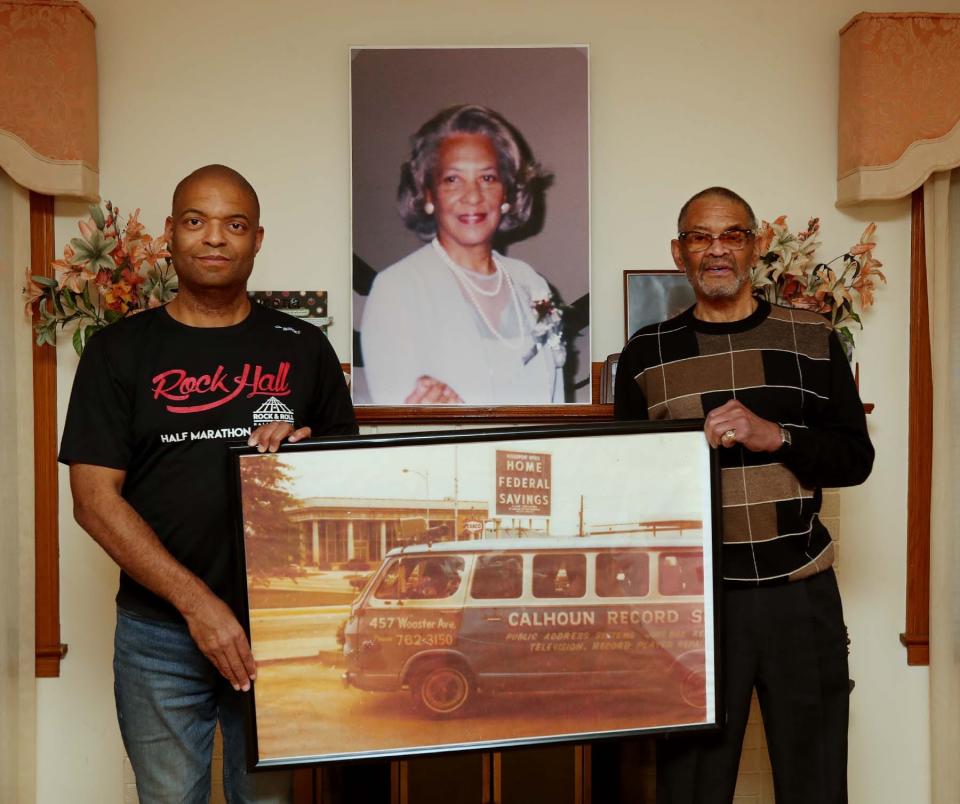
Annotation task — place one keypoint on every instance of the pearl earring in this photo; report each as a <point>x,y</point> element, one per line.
<point>428,207</point>
<point>504,208</point>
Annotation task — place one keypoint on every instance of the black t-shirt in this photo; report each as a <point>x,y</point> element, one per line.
<point>160,400</point>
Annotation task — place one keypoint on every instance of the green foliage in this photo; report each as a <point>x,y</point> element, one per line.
<point>271,537</point>
<point>97,214</point>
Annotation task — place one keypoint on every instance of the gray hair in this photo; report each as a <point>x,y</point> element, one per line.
<point>518,172</point>
<point>718,192</point>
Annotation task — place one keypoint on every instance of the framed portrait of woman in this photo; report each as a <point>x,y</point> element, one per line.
<point>470,226</point>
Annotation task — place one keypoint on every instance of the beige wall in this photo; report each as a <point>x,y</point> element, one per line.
<point>683,95</point>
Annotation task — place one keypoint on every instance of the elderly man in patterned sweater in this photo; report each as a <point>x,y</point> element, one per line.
<point>778,399</point>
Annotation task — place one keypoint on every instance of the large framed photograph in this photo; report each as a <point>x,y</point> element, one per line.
<point>470,183</point>
<point>652,296</point>
<point>428,592</point>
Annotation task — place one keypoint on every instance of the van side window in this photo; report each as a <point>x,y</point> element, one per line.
<point>421,578</point>
<point>623,574</point>
<point>681,573</point>
<point>497,577</point>
<point>563,575</point>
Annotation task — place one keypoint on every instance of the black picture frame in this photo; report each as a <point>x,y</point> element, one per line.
<point>494,636</point>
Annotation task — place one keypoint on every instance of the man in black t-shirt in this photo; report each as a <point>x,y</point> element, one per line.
<point>155,399</point>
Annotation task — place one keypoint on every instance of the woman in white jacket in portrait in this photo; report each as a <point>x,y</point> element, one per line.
<point>455,322</point>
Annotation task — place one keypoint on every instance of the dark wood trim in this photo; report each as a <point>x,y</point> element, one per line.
<point>470,414</point>
<point>582,758</point>
<point>399,781</point>
<point>306,787</point>
<point>918,648</point>
<point>465,414</point>
<point>916,638</point>
<point>486,782</point>
<point>49,649</point>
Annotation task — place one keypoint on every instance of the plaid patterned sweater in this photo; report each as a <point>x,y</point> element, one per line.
<point>787,366</point>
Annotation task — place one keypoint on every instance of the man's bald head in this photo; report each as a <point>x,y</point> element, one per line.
<point>216,173</point>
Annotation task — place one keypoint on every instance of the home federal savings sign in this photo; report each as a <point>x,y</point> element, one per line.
<point>523,483</point>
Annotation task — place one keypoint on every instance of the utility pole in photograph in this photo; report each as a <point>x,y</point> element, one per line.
<point>426,480</point>
<point>456,497</point>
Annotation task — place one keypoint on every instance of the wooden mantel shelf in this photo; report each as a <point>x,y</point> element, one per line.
<point>464,414</point>
<point>469,414</point>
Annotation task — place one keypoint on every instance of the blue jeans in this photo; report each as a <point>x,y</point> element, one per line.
<point>169,698</point>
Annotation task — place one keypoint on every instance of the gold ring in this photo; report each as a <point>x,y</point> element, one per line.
<point>729,437</point>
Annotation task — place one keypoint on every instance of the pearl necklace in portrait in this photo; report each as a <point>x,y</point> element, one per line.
<point>471,288</point>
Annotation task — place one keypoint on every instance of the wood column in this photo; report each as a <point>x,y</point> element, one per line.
<point>49,649</point>
<point>916,637</point>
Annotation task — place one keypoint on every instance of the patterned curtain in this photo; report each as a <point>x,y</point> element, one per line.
<point>899,129</point>
<point>899,116</point>
<point>48,86</point>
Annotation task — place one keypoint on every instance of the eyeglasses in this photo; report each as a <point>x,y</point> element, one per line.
<point>733,239</point>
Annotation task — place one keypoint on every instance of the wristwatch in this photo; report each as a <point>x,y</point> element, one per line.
<point>786,438</point>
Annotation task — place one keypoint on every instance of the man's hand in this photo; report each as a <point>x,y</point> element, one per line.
<point>270,436</point>
<point>221,639</point>
<point>429,391</point>
<point>752,432</point>
<point>102,512</point>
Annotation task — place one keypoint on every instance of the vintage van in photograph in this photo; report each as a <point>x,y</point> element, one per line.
<point>451,620</point>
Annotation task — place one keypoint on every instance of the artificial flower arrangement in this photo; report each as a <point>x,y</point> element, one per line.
<point>107,273</point>
<point>548,329</point>
<point>788,273</point>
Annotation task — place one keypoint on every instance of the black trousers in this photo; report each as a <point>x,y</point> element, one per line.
<point>790,643</point>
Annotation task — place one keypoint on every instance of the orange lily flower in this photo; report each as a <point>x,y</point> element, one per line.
<point>132,278</point>
<point>154,250</point>
<point>764,238</point>
<point>87,228</point>
<point>134,229</point>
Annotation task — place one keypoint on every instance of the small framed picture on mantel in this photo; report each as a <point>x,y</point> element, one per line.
<point>652,296</point>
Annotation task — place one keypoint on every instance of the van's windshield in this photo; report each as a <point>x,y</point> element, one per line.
<point>420,578</point>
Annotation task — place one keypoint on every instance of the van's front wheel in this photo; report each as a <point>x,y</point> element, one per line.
<point>441,690</point>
